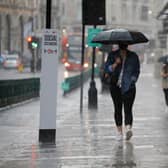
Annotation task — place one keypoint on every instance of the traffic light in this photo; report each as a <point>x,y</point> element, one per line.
<point>29,40</point>
<point>32,42</point>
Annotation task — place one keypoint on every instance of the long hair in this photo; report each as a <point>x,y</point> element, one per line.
<point>165,68</point>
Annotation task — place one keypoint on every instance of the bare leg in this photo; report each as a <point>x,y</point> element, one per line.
<point>119,129</point>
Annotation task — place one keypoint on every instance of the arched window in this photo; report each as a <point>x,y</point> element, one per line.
<point>8,35</point>
<point>144,13</point>
<point>21,35</point>
<point>124,11</point>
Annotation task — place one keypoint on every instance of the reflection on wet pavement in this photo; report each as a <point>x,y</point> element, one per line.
<point>124,155</point>
<point>87,140</point>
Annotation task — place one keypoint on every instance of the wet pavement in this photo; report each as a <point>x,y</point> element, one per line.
<point>6,74</point>
<point>87,140</point>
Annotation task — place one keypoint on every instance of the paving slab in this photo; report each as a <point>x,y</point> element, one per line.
<point>87,139</point>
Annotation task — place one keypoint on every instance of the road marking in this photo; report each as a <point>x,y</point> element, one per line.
<point>61,158</point>
<point>146,74</point>
<point>143,146</point>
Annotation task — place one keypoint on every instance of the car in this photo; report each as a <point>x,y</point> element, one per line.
<point>75,65</point>
<point>11,61</point>
<point>1,61</point>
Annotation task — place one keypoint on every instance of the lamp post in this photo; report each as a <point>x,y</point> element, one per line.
<point>93,14</point>
<point>48,14</point>
<point>92,93</point>
<point>82,57</point>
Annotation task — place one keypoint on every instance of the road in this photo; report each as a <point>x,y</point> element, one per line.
<point>87,140</point>
<point>6,74</point>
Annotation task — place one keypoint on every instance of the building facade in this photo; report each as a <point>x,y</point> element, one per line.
<point>16,22</point>
<point>131,14</point>
<point>19,18</point>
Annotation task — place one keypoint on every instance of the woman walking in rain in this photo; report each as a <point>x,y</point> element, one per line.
<point>123,67</point>
<point>164,74</point>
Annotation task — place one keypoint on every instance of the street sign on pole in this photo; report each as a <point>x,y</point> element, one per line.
<point>92,92</point>
<point>92,32</point>
<point>48,97</point>
<point>50,43</point>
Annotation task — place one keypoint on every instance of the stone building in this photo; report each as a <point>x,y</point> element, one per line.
<point>163,29</point>
<point>17,21</point>
<point>132,14</point>
<point>21,18</point>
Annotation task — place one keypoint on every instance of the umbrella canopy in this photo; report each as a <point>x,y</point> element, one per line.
<point>120,36</point>
<point>163,59</point>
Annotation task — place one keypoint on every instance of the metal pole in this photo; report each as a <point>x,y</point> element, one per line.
<point>0,34</point>
<point>82,62</point>
<point>92,93</point>
<point>33,61</point>
<point>93,61</point>
<point>48,14</point>
<point>82,58</point>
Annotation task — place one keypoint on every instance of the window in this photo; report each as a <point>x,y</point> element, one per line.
<point>124,11</point>
<point>134,11</point>
<point>113,18</point>
<point>113,12</point>
<point>144,13</point>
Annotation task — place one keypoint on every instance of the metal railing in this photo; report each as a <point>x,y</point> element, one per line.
<point>73,82</point>
<point>15,91</point>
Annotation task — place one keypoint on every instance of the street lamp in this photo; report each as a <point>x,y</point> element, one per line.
<point>93,13</point>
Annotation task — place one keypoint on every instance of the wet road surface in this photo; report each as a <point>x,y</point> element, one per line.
<point>87,140</point>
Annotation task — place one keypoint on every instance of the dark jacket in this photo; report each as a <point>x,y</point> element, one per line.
<point>131,69</point>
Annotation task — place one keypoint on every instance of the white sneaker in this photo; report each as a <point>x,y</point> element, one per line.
<point>128,134</point>
<point>119,136</point>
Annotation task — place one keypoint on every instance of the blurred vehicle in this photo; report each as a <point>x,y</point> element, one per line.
<point>1,61</point>
<point>75,65</point>
<point>72,53</point>
<point>11,61</point>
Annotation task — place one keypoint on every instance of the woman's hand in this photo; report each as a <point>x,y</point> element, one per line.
<point>116,63</point>
<point>118,60</point>
<point>106,75</point>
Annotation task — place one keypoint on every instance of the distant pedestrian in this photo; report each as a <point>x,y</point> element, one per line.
<point>164,74</point>
<point>123,67</point>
